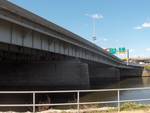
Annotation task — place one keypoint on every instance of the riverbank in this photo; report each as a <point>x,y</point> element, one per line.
<point>133,111</point>
<point>146,71</point>
<point>56,111</point>
<point>125,108</point>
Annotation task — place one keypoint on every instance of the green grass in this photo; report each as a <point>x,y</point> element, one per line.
<point>133,106</point>
<point>125,107</point>
<point>147,67</point>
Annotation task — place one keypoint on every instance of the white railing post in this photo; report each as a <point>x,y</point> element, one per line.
<point>118,94</point>
<point>33,102</point>
<point>78,101</point>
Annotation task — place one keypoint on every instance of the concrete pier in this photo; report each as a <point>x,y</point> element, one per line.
<point>125,73</point>
<point>55,74</point>
<point>100,75</point>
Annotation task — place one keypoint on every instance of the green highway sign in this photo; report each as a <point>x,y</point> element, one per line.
<point>112,50</point>
<point>122,50</point>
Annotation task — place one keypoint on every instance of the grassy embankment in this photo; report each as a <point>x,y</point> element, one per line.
<point>146,71</point>
<point>125,108</point>
<point>147,67</point>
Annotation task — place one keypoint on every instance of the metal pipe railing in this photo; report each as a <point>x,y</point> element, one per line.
<point>78,102</point>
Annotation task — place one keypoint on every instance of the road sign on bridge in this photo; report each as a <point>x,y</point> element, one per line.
<point>121,50</point>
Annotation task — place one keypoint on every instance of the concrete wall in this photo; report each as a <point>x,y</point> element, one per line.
<point>101,75</point>
<point>53,75</point>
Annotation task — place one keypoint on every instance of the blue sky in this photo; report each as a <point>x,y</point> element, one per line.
<point>119,23</point>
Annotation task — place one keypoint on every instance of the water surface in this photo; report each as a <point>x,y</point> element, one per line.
<point>124,95</point>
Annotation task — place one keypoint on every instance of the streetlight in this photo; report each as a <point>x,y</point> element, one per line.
<point>94,29</point>
<point>94,18</point>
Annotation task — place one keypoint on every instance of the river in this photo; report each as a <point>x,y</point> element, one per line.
<point>135,82</point>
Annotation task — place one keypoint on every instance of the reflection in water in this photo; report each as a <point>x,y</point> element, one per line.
<point>125,95</point>
<point>137,94</point>
<point>131,83</point>
<point>146,81</point>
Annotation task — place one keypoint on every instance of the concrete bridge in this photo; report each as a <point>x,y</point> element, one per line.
<point>37,53</point>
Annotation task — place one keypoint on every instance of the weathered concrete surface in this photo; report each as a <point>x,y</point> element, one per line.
<point>53,75</point>
<point>124,73</point>
<point>100,75</point>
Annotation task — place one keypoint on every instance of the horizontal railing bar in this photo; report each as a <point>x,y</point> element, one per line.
<point>102,102</point>
<point>16,92</point>
<point>31,92</point>
<point>81,103</point>
<point>137,100</point>
<point>62,91</point>
<point>128,89</point>
<point>16,105</point>
<point>58,104</point>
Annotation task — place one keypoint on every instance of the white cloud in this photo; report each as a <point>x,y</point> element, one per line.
<point>147,49</point>
<point>146,25</point>
<point>143,26</point>
<point>95,16</point>
<point>138,27</point>
<point>105,39</point>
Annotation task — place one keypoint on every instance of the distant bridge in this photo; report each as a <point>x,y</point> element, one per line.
<point>140,60</point>
<point>37,53</point>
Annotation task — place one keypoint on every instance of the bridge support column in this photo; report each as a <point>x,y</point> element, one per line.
<point>124,73</point>
<point>53,75</point>
<point>101,75</point>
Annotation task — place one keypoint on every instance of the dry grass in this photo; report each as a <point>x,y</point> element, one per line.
<point>125,108</point>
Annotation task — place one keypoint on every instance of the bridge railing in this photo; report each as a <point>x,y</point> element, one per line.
<point>78,102</point>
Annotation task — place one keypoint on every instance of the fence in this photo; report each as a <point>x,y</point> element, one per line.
<point>77,103</point>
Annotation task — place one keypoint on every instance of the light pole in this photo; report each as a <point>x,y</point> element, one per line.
<point>94,18</point>
<point>94,29</point>
<point>128,56</point>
